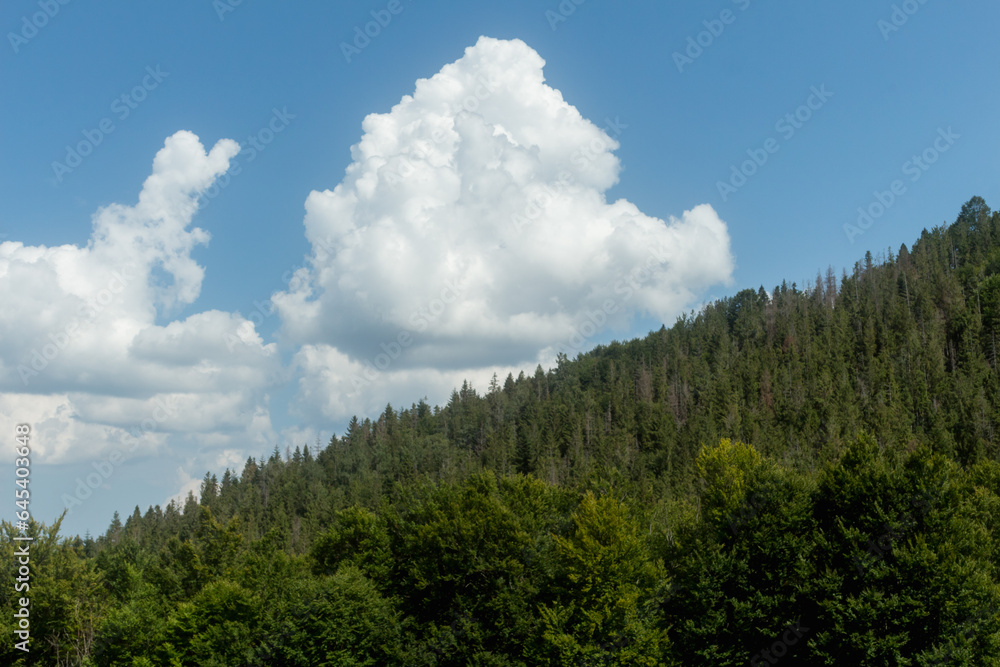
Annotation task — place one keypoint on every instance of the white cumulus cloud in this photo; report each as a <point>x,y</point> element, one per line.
<point>472,231</point>
<point>471,234</point>
<point>84,359</point>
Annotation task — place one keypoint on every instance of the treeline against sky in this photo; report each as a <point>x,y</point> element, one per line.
<point>807,476</point>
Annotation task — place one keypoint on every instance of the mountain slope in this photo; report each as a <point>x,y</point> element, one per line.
<point>607,511</point>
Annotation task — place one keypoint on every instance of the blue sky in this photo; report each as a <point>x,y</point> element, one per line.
<point>669,120</point>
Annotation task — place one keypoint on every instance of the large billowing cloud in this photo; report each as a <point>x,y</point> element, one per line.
<point>470,235</point>
<point>84,360</point>
<point>472,231</point>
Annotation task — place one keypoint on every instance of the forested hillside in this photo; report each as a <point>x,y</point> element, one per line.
<point>808,476</point>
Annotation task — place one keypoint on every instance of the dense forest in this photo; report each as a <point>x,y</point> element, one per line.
<point>806,476</point>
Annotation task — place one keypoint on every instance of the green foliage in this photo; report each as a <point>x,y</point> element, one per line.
<point>341,620</point>
<point>217,628</point>
<point>902,558</point>
<point>604,579</point>
<point>466,562</point>
<point>737,572</point>
<point>132,630</point>
<point>725,470</point>
<point>358,537</point>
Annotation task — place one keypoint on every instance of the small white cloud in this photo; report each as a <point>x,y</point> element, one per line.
<point>232,459</point>
<point>186,484</point>
<point>332,387</point>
